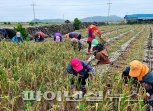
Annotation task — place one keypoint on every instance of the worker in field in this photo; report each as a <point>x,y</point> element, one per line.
<point>100,53</point>
<point>8,33</point>
<point>93,44</point>
<point>92,29</point>
<point>100,56</point>
<point>18,38</point>
<point>76,35</point>
<point>58,37</point>
<point>39,37</point>
<point>140,73</point>
<point>77,44</point>
<point>80,69</point>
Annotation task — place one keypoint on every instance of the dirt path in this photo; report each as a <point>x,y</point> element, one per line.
<point>116,54</point>
<point>148,53</point>
<point>134,51</point>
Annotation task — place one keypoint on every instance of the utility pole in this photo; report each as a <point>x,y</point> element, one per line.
<point>109,8</point>
<point>34,14</point>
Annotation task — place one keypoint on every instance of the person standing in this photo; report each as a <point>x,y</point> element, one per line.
<point>92,29</point>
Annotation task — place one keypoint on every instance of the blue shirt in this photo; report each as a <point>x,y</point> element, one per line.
<point>74,34</point>
<point>83,72</point>
<point>148,78</point>
<point>15,39</point>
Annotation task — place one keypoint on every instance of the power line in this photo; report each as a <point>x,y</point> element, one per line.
<point>109,8</point>
<point>70,5</point>
<point>76,5</point>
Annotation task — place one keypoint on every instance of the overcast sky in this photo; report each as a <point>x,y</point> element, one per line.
<point>21,10</point>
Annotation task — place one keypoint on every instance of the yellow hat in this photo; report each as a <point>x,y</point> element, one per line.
<point>137,69</point>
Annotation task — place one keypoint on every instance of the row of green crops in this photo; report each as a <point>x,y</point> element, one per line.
<point>42,66</point>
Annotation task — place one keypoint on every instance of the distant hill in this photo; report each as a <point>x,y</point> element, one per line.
<point>101,19</point>
<point>88,19</point>
<point>48,20</point>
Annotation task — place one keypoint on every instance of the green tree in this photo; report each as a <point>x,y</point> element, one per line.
<point>31,23</point>
<point>5,23</point>
<point>8,23</point>
<point>23,31</point>
<point>67,21</point>
<point>77,23</point>
<point>36,23</point>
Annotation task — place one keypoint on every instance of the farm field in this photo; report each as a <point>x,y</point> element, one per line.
<point>42,67</point>
<point>25,24</point>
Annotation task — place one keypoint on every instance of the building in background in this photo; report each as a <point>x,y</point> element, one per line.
<point>139,18</point>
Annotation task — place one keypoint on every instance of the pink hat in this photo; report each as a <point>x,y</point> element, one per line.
<point>76,64</point>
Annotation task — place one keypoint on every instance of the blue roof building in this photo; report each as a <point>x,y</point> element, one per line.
<point>139,17</point>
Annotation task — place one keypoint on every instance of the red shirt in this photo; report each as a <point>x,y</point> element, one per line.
<point>105,62</point>
<point>91,32</point>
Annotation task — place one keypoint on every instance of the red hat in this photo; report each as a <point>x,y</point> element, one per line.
<point>76,64</point>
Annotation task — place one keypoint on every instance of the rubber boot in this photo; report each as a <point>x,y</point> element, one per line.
<point>83,89</point>
<point>72,88</point>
